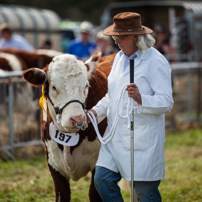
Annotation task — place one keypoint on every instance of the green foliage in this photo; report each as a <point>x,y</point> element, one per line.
<point>30,180</point>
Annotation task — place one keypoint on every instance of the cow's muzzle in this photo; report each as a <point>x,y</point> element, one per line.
<point>82,126</point>
<point>58,110</point>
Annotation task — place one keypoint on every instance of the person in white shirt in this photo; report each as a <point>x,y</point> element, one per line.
<point>12,40</point>
<point>151,95</point>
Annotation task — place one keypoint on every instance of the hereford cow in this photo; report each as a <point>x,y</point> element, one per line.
<point>38,58</point>
<point>11,62</point>
<point>69,88</point>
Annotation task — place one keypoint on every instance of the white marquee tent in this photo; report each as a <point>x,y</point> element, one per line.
<point>34,24</point>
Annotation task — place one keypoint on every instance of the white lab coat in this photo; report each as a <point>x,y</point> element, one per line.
<point>152,75</point>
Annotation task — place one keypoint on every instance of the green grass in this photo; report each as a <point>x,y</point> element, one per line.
<point>183,167</point>
<point>29,180</point>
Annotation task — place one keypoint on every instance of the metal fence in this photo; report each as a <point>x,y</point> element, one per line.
<point>187,89</point>
<point>20,111</point>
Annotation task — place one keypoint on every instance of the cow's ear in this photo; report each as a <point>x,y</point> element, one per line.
<point>36,77</point>
<point>92,63</point>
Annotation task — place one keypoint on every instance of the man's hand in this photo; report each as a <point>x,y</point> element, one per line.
<point>94,112</point>
<point>134,93</point>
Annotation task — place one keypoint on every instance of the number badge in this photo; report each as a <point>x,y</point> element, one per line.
<point>66,139</point>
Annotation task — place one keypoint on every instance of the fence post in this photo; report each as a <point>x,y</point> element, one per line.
<point>198,111</point>
<point>189,92</point>
<point>11,134</point>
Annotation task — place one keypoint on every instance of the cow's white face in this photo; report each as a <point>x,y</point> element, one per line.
<point>67,80</point>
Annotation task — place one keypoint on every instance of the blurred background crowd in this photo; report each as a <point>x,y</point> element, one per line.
<point>76,28</point>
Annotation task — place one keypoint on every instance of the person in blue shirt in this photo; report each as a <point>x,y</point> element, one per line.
<point>83,47</point>
<point>12,40</point>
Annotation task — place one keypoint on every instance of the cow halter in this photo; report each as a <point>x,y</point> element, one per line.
<point>58,110</point>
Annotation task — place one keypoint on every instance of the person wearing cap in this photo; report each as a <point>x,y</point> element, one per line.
<point>104,44</point>
<point>12,40</point>
<point>83,47</point>
<point>151,94</point>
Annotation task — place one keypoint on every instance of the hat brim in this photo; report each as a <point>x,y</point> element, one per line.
<point>109,31</point>
<point>85,31</point>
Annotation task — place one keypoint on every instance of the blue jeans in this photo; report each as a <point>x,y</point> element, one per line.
<point>106,185</point>
<point>148,191</point>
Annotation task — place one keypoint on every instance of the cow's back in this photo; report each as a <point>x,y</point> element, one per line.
<point>98,81</point>
<point>30,59</point>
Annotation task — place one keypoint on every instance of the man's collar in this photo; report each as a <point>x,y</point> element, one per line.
<point>140,56</point>
<point>137,54</point>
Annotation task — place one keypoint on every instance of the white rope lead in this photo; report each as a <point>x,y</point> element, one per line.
<point>108,137</point>
<point>129,106</point>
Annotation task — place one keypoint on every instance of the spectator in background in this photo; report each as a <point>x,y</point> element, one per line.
<point>104,44</point>
<point>83,47</point>
<point>12,40</point>
<point>163,45</point>
<point>46,44</point>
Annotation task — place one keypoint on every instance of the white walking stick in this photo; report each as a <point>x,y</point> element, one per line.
<point>132,133</point>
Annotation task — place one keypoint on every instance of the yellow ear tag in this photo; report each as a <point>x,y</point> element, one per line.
<point>41,101</point>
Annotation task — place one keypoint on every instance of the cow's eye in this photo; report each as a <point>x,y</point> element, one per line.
<point>87,86</point>
<point>54,88</point>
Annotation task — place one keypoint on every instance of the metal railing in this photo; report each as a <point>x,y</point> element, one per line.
<point>20,111</point>
<point>187,89</point>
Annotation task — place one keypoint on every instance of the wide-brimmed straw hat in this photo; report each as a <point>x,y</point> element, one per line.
<point>127,23</point>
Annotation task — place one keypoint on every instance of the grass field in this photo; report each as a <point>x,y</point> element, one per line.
<point>28,179</point>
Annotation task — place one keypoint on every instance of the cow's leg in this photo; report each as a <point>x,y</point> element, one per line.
<point>93,194</point>
<point>62,186</point>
